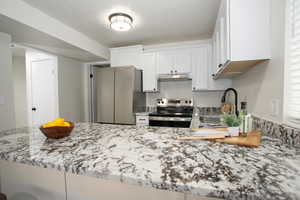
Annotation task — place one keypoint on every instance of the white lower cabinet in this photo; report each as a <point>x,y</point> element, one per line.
<point>81,187</point>
<point>142,119</point>
<point>194,197</point>
<point>23,182</point>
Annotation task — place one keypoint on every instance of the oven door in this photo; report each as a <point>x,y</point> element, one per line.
<point>183,122</point>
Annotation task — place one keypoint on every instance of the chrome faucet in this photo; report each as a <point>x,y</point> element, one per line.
<point>236,99</point>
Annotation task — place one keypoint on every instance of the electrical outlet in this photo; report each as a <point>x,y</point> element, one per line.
<point>274,106</point>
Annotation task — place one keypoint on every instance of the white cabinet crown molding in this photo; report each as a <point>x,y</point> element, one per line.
<point>128,48</point>
<point>177,45</point>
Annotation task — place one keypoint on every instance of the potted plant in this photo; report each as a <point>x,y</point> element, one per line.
<point>233,122</point>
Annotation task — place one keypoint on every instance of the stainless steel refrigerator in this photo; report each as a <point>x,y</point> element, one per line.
<point>119,94</point>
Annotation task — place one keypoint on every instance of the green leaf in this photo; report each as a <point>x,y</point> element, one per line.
<point>231,120</point>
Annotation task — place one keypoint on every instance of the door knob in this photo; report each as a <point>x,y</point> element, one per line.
<point>33,109</point>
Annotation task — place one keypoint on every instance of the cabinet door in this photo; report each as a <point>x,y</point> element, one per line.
<point>211,54</point>
<point>83,187</point>
<point>200,64</point>
<point>20,182</point>
<point>182,61</point>
<point>149,72</point>
<point>165,62</point>
<point>220,84</point>
<point>214,63</point>
<point>218,48</point>
<point>224,32</point>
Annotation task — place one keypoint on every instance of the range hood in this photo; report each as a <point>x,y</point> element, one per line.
<point>174,77</point>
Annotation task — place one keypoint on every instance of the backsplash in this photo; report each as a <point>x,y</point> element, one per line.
<point>287,135</point>
<point>210,111</point>
<point>183,89</point>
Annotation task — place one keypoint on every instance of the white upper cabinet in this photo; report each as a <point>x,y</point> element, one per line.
<point>202,68</point>
<point>174,61</point>
<point>149,72</point>
<point>242,36</point>
<point>197,59</point>
<point>126,56</point>
<point>223,30</point>
<point>165,60</point>
<point>182,61</point>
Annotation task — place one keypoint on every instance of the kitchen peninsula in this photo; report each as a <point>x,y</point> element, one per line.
<point>152,158</point>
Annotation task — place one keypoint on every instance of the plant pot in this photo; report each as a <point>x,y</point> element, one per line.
<point>233,131</point>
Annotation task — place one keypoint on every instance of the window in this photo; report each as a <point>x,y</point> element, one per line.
<point>292,68</point>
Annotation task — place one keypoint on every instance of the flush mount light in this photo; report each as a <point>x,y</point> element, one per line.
<point>120,21</point>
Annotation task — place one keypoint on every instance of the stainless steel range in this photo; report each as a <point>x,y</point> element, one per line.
<point>172,113</point>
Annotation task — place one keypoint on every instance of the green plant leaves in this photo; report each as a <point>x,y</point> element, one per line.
<point>231,120</point>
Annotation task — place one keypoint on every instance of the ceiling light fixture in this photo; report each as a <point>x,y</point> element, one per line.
<point>120,21</point>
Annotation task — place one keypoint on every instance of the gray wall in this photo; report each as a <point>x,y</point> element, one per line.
<point>20,99</point>
<point>71,89</point>
<point>265,81</point>
<point>7,113</point>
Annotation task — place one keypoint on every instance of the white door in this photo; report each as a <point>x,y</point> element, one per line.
<point>43,91</point>
<point>149,72</point>
<point>182,61</point>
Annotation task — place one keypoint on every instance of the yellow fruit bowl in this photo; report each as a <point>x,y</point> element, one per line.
<point>56,131</point>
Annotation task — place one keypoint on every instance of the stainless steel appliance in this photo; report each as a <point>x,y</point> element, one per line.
<point>172,113</point>
<point>119,94</point>
<point>174,77</point>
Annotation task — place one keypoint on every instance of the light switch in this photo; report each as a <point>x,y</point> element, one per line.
<point>2,100</point>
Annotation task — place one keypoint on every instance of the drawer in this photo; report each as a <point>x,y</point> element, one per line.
<point>142,120</point>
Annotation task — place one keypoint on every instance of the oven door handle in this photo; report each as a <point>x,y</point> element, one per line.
<point>171,119</point>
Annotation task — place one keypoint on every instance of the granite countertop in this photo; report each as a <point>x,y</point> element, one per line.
<point>153,157</point>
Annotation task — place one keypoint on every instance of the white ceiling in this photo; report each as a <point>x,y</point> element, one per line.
<point>155,21</point>
<point>30,37</point>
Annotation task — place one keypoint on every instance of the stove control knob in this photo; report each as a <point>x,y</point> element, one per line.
<point>190,102</point>
<point>162,102</point>
<point>186,102</point>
